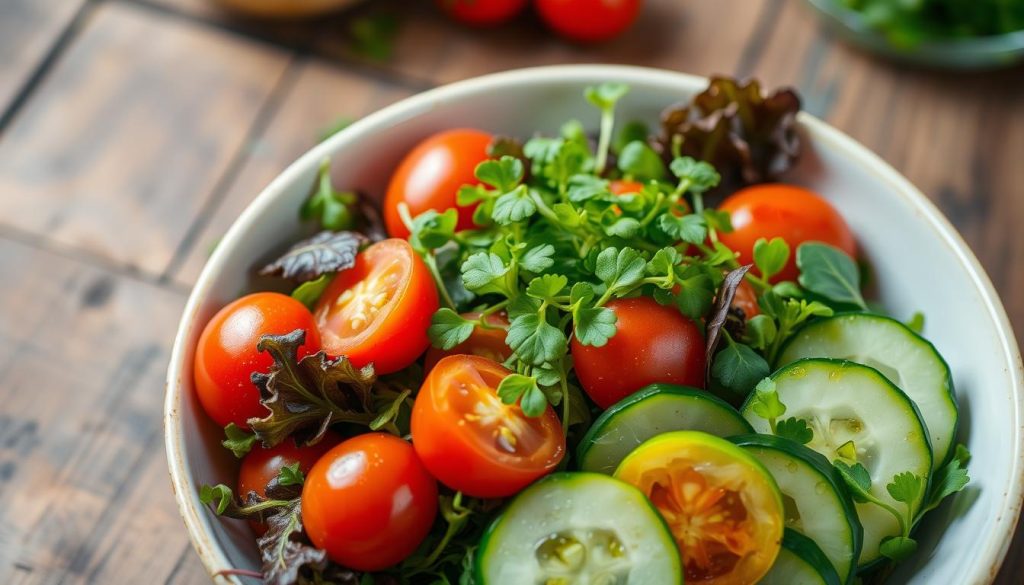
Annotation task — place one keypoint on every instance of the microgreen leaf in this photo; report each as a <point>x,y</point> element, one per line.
<point>484,273</point>
<point>534,402</point>
<point>738,368</point>
<point>639,161</point>
<point>770,257</point>
<point>567,215</point>
<point>535,340</point>
<point>827,271</point>
<point>766,403</point>
<point>538,258</point>
<point>431,230</point>
<point>606,95</point>
<point>695,296</point>
<point>620,269</point>
<point>502,174</point>
<point>333,209</point>
<point>906,487</point>
<point>794,429</point>
<point>857,480</point>
<point>700,175</point>
<point>692,228</point>
<point>219,496</point>
<point>309,292</point>
<point>448,329</point>
<point>516,205</point>
<point>290,475</point>
<point>586,187</point>
<point>547,286</point>
<point>663,262</point>
<point>238,440</point>
<point>594,326</point>
<point>581,293</point>
<point>948,479</point>
<point>760,331</point>
<point>897,548</point>
<point>625,227</point>
<point>512,387</point>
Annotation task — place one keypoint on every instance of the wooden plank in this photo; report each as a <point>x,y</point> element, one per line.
<point>320,95</point>
<point>684,36</point>
<point>84,353</point>
<point>28,31</point>
<point>127,136</point>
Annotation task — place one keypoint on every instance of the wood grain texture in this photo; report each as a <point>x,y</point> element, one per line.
<point>132,128</point>
<point>320,94</point>
<point>29,29</point>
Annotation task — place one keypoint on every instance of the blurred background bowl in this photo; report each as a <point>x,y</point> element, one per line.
<point>900,233</point>
<point>983,52</point>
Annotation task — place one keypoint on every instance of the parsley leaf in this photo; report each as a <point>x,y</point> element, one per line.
<point>547,286</point>
<point>639,161</point>
<point>619,269</point>
<point>827,271</point>
<point>535,340</point>
<point>484,273</point>
<point>738,368</point>
<point>516,205</point>
<point>794,429</point>
<point>448,329</point>
<point>699,175</point>
<point>538,258</point>
<point>948,479</point>
<point>857,480</point>
<point>907,488</point>
<point>692,228</point>
<point>594,326</point>
<point>766,403</point>
<point>586,187</point>
<point>503,174</point>
<point>524,389</point>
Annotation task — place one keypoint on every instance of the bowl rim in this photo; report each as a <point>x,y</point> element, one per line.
<point>197,522</point>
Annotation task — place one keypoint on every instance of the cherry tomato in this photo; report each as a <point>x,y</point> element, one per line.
<point>653,343</point>
<point>488,343</point>
<point>722,506</point>
<point>262,465</point>
<point>369,502</point>
<point>473,442</point>
<point>787,211</point>
<point>226,354</point>
<point>378,311</point>
<point>429,177</point>
<point>625,187</point>
<point>588,20</point>
<point>745,300</point>
<point>481,12</point>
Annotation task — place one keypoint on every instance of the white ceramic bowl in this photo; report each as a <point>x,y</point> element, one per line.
<point>922,264</point>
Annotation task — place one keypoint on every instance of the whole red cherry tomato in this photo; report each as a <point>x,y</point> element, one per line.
<point>588,20</point>
<point>482,12</point>
<point>652,343</point>
<point>485,342</point>
<point>379,310</point>
<point>786,211</point>
<point>473,442</point>
<point>429,177</point>
<point>226,354</point>
<point>625,187</point>
<point>369,502</point>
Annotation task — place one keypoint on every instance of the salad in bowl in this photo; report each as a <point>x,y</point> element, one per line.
<point>629,350</point>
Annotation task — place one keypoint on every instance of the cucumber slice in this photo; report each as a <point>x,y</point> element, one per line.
<point>800,562</point>
<point>852,405</point>
<point>578,528</point>
<point>814,498</point>
<point>655,409</point>
<point>906,358</point>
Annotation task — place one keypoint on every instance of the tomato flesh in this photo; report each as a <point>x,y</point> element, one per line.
<point>226,354</point>
<point>369,502</point>
<point>792,213</point>
<point>721,505</point>
<point>473,442</point>
<point>653,343</point>
<point>486,342</point>
<point>429,177</point>
<point>378,311</point>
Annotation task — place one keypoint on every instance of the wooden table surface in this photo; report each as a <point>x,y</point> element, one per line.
<point>133,131</point>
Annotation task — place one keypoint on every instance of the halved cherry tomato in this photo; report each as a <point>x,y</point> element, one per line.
<point>369,502</point>
<point>588,20</point>
<point>226,354</point>
<point>378,311</point>
<point>473,442</point>
<point>745,300</point>
<point>481,12</point>
<point>653,343</point>
<point>488,343</point>
<point>262,465</point>
<point>429,177</point>
<point>722,506</point>
<point>786,211</point>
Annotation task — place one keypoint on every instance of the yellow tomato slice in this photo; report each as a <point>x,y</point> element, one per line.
<point>721,504</point>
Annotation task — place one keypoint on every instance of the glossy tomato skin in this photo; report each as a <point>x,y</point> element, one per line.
<point>226,354</point>
<point>379,310</point>
<point>472,442</point>
<point>488,343</point>
<point>787,211</point>
<point>625,187</point>
<point>745,300</point>
<point>369,502</point>
<point>481,12</point>
<point>588,20</point>
<point>653,343</point>
<point>429,177</point>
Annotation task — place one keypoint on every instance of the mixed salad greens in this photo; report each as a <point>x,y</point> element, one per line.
<point>908,23</point>
<point>624,358</point>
